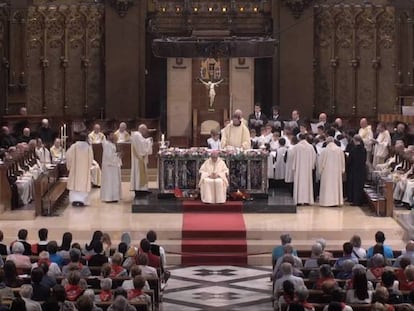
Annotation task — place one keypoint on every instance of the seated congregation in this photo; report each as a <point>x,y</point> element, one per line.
<point>96,276</point>
<point>355,278</point>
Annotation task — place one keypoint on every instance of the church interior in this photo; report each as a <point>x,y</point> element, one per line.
<point>182,68</point>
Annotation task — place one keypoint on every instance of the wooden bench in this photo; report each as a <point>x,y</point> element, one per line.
<point>380,197</point>
<point>49,189</point>
<point>53,196</point>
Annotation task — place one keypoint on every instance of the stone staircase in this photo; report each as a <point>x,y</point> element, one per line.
<point>259,242</point>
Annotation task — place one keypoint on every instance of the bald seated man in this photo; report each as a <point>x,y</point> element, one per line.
<point>96,136</point>
<point>213,180</point>
<point>121,134</point>
<point>239,114</point>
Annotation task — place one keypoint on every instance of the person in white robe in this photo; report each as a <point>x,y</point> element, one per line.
<point>213,142</point>
<point>56,151</point>
<point>42,152</point>
<point>141,148</point>
<point>213,180</point>
<point>303,163</point>
<point>367,135</point>
<point>235,135</point>
<point>96,174</point>
<point>331,166</point>
<point>400,171</point>
<point>381,145</point>
<point>79,159</point>
<point>121,134</point>
<point>111,171</point>
<point>290,154</point>
<point>96,136</point>
<point>280,165</point>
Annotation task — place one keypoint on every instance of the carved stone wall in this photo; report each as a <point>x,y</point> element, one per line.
<point>355,54</point>
<point>65,59</point>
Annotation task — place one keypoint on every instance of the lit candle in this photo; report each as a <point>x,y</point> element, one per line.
<point>162,139</point>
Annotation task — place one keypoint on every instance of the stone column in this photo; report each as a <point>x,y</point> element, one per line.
<point>179,81</point>
<point>125,59</point>
<point>241,85</point>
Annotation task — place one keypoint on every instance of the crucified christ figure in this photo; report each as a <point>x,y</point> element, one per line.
<point>210,86</point>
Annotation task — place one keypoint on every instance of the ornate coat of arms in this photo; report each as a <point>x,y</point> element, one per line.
<point>210,69</point>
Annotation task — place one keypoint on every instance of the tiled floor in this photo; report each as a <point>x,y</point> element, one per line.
<point>218,288</point>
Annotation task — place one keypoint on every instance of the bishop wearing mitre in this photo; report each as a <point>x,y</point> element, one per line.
<point>213,180</point>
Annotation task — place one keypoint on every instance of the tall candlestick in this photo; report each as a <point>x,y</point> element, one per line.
<point>65,135</point>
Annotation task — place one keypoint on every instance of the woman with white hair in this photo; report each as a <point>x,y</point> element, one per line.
<point>278,251</point>
<point>312,262</point>
<point>91,295</point>
<point>302,294</point>
<point>325,253</point>
<point>54,270</point>
<point>21,261</point>
<point>120,302</point>
<point>26,292</point>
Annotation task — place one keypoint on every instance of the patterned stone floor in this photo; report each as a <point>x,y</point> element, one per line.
<point>218,288</point>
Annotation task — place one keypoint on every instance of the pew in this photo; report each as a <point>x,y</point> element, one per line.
<point>9,170</point>
<point>5,189</point>
<point>49,189</point>
<point>379,194</point>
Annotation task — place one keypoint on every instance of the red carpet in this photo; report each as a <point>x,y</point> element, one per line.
<point>213,234</point>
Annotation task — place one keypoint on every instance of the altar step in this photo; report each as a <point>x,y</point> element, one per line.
<point>277,201</point>
<point>152,175</point>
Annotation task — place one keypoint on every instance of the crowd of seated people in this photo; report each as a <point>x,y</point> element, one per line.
<point>46,276</point>
<point>377,278</point>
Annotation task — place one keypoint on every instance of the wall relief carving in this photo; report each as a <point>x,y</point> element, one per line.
<point>121,6</point>
<point>354,53</point>
<point>297,6</point>
<point>65,56</point>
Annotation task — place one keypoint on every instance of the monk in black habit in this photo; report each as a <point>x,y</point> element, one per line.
<point>356,171</point>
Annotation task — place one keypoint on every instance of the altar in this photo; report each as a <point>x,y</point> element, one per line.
<point>179,169</point>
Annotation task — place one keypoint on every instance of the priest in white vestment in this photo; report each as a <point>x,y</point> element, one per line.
<point>280,165</point>
<point>96,174</point>
<point>303,163</point>
<point>42,152</point>
<point>290,155</point>
<point>141,148</point>
<point>213,180</point>
<point>331,166</point>
<point>56,151</point>
<point>122,134</point>
<point>111,171</point>
<point>235,135</point>
<point>366,134</point>
<point>79,159</point>
<point>96,136</point>
<point>381,145</point>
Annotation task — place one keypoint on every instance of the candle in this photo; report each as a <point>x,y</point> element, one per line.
<point>162,138</point>
<point>61,132</point>
<point>65,135</point>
